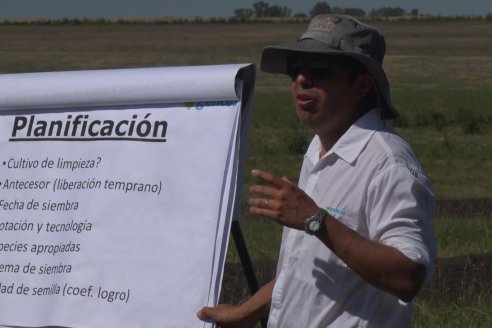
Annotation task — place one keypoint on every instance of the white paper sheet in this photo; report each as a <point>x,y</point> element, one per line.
<point>100,227</point>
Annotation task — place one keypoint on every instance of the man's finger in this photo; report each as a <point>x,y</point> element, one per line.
<point>268,177</point>
<point>264,212</point>
<point>264,190</point>
<point>269,204</point>
<point>207,313</point>
<point>288,181</point>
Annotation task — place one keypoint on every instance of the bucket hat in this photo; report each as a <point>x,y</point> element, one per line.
<point>333,34</point>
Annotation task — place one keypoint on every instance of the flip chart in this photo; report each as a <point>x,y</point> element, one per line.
<point>117,191</point>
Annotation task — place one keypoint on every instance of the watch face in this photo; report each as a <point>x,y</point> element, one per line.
<point>314,225</point>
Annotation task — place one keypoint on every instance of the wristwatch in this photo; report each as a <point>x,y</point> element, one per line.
<point>315,223</point>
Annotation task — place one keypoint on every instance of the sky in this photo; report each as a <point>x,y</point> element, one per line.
<point>29,9</point>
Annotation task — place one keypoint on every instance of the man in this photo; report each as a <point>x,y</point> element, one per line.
<point>357,244</point>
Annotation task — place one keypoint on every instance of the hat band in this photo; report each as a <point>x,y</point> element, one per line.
<point>341,45</point>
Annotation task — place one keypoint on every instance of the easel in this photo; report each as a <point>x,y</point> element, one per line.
<point>248,77</point>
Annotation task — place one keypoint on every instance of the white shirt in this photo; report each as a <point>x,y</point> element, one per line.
<point>372,182</point>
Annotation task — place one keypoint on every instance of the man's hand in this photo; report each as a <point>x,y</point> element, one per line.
<point>227,316</point>
<point>281,200</point>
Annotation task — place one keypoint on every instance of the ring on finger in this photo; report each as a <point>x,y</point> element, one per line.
<point>266,203</point>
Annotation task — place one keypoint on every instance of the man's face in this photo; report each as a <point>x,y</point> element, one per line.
<point>323,97</point>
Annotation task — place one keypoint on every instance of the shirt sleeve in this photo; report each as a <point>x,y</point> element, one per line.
<point>400,205</point>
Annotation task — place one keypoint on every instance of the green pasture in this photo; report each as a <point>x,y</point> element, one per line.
<point>441,78</point>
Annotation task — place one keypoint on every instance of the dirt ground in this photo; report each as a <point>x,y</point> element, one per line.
<point>456,278</point>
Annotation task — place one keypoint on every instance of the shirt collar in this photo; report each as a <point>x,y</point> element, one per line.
<point>352,142</point>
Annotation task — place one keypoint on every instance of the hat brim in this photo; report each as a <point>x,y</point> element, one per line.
<point>274,60</point>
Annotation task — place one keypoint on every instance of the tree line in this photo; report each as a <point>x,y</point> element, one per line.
<point>262,9</point>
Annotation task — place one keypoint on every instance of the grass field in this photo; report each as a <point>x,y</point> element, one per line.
<point>441,77</point>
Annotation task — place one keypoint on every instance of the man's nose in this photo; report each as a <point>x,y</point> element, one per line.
<point>304,79</point>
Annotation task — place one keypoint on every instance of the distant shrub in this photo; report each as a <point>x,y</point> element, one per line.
<point>469,121</point>
<point>439,121</point>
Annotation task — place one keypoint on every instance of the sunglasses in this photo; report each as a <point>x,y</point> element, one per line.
<point>316,69</point>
